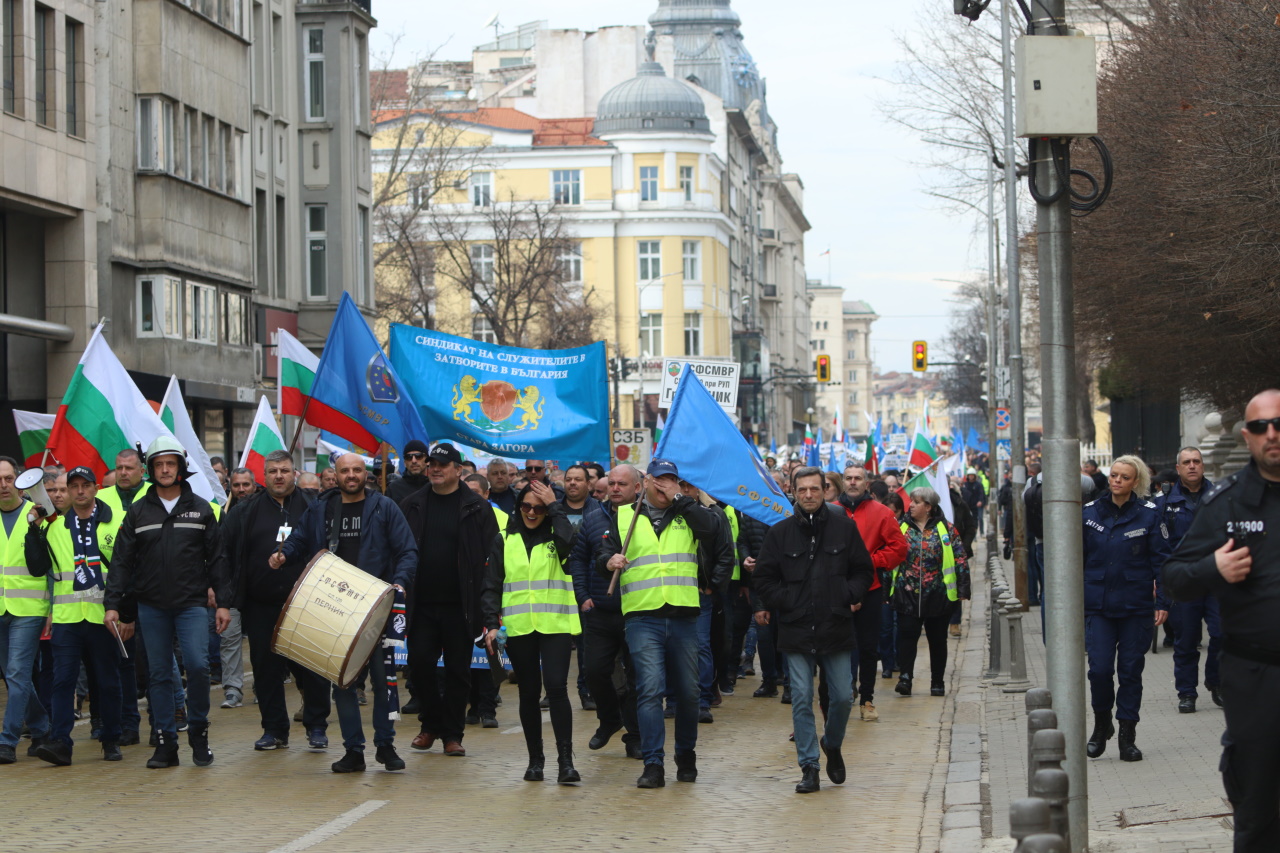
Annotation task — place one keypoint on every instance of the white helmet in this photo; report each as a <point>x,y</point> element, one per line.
<point>166,445</point>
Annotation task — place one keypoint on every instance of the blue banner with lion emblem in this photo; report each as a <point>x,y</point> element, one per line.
<point>355,378</point>
<point>508,401</point>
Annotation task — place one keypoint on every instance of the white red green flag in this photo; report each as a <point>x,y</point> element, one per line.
<point>33,434</point>
<point>922,452</point>
<point>296,374</point>
<point>264,437</point>
<point>173,413</point>
<point>102,413</point>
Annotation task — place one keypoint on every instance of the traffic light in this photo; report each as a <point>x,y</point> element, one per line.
<point>823,368</point>
<point>920,356</point>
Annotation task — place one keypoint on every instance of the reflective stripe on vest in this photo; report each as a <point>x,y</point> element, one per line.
<point>536,594</point>
<point>69,604</point>
<point>20,593</point>
<point>733,530</point>
<point>660,570</point>
<point>948,563</point>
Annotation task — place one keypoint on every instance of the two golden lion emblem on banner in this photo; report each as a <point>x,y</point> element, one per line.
<point>499,402</point>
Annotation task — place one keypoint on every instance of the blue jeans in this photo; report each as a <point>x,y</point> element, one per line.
<point>706,663</point>
<point>749,645</point>
<point>1035,573</point>
<point>660,646</point>
<point>93,642</point>
<point>1186,617</point>
<point>190,625</point>
<point>1117,646</point>
<point>837,672</point>
<point>19,641</point>
<point>888,636</point>
<point>384,731</point>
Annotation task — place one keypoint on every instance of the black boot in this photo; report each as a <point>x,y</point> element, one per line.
<point>786,695</point>
<point>1128,733</point>
<point>568,775</point>
<point>809,783</point>
<point>536,762</point>
<point>1103,731</point>
<point>387,757</point>
<point>687,766</point>
<point>166,754</point>
<point>767,689</point>
<point>198,737</point>
<point>904,685</point>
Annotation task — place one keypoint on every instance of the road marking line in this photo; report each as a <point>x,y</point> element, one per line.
<point>327,830</point>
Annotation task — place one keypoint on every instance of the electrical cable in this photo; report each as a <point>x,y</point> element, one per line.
<point>1082,203</point>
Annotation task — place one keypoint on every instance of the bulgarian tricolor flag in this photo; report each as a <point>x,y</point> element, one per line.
<point>297,373</point>
<point>33,434</point>
<point>173,412</point>
<point>102,413</point>
<point>264,437</point>
<point>922,452</point>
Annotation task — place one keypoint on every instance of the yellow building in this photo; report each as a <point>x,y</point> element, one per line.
<point>638,195</point>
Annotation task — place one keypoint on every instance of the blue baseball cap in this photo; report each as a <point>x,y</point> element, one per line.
<point>660,467</point>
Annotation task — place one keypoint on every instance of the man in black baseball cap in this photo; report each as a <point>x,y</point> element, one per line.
<point>415,472</point>
<point>455,529</point>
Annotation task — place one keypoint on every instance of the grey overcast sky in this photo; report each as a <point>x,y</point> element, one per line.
<point>825,61</point>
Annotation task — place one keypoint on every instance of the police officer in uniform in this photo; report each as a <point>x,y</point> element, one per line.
<point>1232,553</point>
<point>1178,507</point>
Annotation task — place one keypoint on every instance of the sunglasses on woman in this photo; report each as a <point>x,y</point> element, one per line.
<point>533,509</point>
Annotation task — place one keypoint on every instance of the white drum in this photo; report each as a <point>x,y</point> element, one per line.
<point>333,619</point>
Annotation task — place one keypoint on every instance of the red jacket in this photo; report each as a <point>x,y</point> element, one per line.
<point>880,533</point>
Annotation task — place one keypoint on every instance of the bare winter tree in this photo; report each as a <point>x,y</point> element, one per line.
<point>419,156</point>
<point>521,267</point>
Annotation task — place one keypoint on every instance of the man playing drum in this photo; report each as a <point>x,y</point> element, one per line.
<point>367,530</point>
<point>254,529</point>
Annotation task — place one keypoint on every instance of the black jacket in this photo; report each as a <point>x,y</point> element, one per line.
<point>477,527</point>
<point>387,548</point>
<point>715,563</point>
<point>751,535</point>
<point>701,523</point>
<point>556,529</point>
<point>170,560</point>
<point>1246,508</point>
<point>405,485</point>
<point>966,524</point>
<point>812,570</point>
<point>260,583</point>
<point>587,582</point>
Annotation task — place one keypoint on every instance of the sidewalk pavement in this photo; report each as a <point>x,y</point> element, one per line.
<point>1171,802</point>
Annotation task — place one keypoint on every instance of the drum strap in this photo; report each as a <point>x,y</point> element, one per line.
<point>332,511</point>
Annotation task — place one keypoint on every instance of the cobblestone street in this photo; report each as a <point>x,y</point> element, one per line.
<point>271,801</point>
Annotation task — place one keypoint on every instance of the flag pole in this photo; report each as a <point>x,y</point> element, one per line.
<point>626,543</point>
<point>302,421</point>
<point>383,466</point>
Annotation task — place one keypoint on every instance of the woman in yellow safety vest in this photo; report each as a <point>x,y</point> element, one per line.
<point>528,584</point>
<point>926,587</point>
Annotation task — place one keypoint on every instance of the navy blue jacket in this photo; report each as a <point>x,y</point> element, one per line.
<point>1124,550</point>
<point>388,549</point>
<point>587,582</point>
<point>1178,511</point>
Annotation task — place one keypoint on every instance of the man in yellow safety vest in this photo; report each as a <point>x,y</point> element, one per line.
<point>658,579</point>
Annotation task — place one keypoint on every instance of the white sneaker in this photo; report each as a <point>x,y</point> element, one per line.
<point>233,699</point>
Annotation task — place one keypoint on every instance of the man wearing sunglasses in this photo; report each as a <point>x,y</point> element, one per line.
<point>455,529</point>
<point>415,472</point>
<point>535,470</point>
<point>1232,552</point>
<point>658,578</point>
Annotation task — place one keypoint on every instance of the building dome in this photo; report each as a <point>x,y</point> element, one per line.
<point>651,101</point>
<point>694,14</point>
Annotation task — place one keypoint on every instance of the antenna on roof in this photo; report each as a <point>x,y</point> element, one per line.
<point>493,22</point>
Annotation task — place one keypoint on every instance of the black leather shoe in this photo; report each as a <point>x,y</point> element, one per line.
<point>634,751</point>
<point>809,783</point>
<point>887,673</point>
<point>110,752</point>
<point>767,690</point>
<point>351,762</point>
<point>835,765</point>
<point>936,689</point>
<point>130,737</point>
<point>786,695</point>
<point>1128,734</point>
<point>533,773</point>
<point>903,686</point>
<point>8,754</point>
<point>1103,731</point>
<point>602,735</point>
<point>588,704</point>
<point>58,753</point>
<point>472,719</point>
<point>704,716</point>
<point>1216,694</point>
<point>1187,705</point>
<point>488,721</point>
<point>653,777</point>
<point>687,766</point>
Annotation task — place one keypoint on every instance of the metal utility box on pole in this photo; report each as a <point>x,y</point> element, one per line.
<point>1057,83</point>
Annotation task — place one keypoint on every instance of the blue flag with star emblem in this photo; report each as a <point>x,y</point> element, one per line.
<point>356,378</point>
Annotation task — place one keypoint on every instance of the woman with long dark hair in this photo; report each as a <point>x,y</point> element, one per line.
<point>927,587</point>
<point>528,584</point>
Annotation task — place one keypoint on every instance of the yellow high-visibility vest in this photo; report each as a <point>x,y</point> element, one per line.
<point>20,593</point>
<point>948,563</point>
<point>660,570</point>
<point>69,604</point>
<point>537,595</point>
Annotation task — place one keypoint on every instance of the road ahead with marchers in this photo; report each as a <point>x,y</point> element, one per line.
<point>288,800</point>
